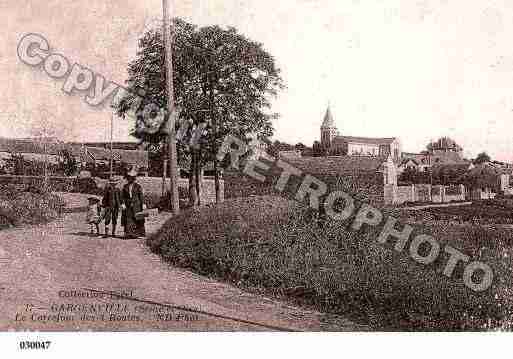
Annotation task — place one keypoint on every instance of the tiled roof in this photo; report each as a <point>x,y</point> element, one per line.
<point>86,153</point>
<point>133,157</point>
<point>29,146</point>
<point>408,159</point>
<point>484,174</point>
<point>91,154</point>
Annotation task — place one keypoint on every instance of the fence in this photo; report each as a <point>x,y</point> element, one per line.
<point>394,194</point>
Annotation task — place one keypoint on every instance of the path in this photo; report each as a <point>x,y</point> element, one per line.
<point>41,265</point>
<point>438,205</point>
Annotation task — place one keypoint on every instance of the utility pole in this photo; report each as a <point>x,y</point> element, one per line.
<point>164,175</point>
<point>173,168</point>
<point>111,136</point>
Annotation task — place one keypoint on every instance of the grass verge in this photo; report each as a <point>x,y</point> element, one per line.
<point>271,244</point>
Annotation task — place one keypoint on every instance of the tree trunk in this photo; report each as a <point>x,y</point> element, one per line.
<point>197,177</point>
<point>216,181</point>
<point>193,198</point>
<point>214,135</point>
<point>193,181</point>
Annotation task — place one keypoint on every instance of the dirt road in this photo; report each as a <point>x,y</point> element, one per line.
<point>47,273</point>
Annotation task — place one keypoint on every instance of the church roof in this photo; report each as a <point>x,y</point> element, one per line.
<point>366,140</point>
<point>328,121</point>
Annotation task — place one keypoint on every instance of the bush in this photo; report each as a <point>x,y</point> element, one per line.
<point>270,243</point>
<point>87,186</point>
<point>18,207</point>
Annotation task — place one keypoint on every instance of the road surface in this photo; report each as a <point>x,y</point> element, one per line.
<point>56,277</point>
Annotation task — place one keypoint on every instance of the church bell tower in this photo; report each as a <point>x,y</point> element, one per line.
<point>328,129</point>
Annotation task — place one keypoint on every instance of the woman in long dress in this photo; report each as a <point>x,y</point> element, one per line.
<point>132,203</point>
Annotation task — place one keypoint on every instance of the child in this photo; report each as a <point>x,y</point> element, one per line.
<point>93,214</point>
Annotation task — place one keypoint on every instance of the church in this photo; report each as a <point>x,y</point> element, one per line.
<point>336,145</point>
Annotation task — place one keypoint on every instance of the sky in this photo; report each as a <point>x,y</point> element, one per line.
<point>416,70</point>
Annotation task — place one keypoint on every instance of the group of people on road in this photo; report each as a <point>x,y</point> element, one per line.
<point>129,201</point>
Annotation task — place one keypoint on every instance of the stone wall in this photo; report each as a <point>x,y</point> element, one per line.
<point>208,190</point>
<point>422,193</point>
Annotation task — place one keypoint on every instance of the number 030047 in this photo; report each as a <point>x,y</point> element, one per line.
<point>34,345</point>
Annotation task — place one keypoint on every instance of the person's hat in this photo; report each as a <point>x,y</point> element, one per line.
<point>93,199</point>
<point>132,173</point>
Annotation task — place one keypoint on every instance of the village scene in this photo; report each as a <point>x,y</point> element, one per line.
<point>161,227</point>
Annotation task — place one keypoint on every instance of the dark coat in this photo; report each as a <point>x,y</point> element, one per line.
<point>133,204</point>
<point>111,197</point>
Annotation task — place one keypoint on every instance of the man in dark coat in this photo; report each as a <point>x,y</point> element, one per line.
<point>111,202</point>
<point>132,199</point>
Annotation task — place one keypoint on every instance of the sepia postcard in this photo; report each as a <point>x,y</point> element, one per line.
<point>256,166</point>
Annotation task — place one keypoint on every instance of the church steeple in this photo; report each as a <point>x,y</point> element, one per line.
<point>328,119</point>
<point>328,128</point>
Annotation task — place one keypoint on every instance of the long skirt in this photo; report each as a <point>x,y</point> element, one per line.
<point>133,227</point>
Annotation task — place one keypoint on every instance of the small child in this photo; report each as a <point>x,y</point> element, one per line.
<point>93,217</point>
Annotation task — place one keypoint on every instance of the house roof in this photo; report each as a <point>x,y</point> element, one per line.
<point>86,153</point>
<point>439,158</point>
<point>408,159</point>
<point>30,146</point>
<point>483,175</point>
<point>91,154</point>
<point>365,140</point>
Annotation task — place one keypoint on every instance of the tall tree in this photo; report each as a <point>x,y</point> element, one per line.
<point>445,144</point>
<point>68,164</point>
<point>482,157</point>
<point>223,85</point>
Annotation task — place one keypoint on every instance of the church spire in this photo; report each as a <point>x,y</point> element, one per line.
<point>328,129</point>
<point>328,119</point>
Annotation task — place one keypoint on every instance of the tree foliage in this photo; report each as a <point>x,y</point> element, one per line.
<point>482,157</point>
<point>223,84</point>
<point>443,144</point>
<point>219,76</point>
<point>68,164</point>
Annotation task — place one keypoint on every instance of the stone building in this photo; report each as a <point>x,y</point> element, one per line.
<point>336,144</point>
<point>444,151</point>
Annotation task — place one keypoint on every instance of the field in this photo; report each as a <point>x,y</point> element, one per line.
<point>269,244</point>
<point>479,212</point>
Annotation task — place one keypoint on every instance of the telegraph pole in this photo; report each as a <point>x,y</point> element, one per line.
<point>111,136</point>
<point>173,168</point>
